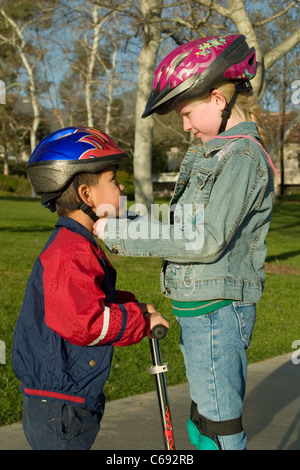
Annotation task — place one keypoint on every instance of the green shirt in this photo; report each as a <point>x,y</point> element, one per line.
<point>195,308</point>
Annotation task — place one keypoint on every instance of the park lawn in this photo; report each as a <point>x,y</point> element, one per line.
<point>25,227</point>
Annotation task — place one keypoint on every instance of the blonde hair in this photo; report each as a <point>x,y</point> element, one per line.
<point>246,107</point>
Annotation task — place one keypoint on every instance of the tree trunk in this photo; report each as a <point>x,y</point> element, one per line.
<point>109,108</point>
<point>282,127</point>
<point>237,12</point>
<point>241,19</point>
<point>5,154</point>
<point>91,66</point>
<point>151,11</point>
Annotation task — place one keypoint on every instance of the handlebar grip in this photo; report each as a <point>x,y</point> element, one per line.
<point>159,332</point>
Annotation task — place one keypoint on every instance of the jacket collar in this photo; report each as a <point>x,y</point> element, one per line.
<point>76,227</point>
<point>243,128</point>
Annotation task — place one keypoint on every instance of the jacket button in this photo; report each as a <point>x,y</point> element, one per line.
<point>92,362</point>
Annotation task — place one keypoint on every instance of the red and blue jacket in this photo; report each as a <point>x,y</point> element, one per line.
<point>71,318</point>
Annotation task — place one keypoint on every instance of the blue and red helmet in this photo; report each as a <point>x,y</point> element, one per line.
<point>67,152</point>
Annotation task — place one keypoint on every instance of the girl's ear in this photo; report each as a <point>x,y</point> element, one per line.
<point>219,99</point>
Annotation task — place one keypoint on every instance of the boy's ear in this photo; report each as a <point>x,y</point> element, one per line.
<point>84,193</point>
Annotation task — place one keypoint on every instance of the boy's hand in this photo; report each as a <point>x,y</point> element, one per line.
<point>154,316</point>
<point>147,308</point>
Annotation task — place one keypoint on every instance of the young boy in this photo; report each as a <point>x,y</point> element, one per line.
<point>72,316</point>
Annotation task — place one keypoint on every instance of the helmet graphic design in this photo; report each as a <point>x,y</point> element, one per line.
<point>65,153</point>
<point>194,68</point>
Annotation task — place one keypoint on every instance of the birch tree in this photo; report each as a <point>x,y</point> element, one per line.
<point>236,12</point>
<point>18,28</point>
<point>92,58</point>
<point>196,21</point>
<point>151,33</point>
<point>9,65</point>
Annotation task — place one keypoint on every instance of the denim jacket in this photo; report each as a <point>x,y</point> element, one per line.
<point>214,244</point>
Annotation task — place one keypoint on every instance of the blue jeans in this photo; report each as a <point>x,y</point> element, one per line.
<point>54,425</point>
<point>214,350</point>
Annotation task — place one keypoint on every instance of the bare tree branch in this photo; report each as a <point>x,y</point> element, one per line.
<point>279,51</point>
<point>277,15</point>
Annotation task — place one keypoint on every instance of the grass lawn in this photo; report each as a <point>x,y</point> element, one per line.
<point>24,228</point>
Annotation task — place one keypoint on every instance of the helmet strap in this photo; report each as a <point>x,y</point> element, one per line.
<point>89,211</point>
<point>48,200</point>
<point>82,205</point>
<point>226,113</point>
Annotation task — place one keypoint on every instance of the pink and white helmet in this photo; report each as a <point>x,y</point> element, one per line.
<point>194,68</point>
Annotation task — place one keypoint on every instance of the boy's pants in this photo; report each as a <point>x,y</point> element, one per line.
<point>51,425</point>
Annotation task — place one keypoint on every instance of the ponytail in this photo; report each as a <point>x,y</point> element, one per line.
<point>246,108</point>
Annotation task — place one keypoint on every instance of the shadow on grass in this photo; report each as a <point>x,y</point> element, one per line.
<point>19,198</point>
<point>282,256</point>
<point>33,228</point>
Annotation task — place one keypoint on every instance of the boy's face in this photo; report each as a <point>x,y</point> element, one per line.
<point>106,194</point>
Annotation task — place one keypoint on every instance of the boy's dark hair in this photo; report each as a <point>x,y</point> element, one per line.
<point>68,201</point>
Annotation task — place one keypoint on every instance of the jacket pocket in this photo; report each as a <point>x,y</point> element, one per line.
<point>205,180</point>
<point>87,361</point>
<point>246,317</point>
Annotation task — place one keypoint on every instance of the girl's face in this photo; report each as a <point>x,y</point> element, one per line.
<point>202,118</point>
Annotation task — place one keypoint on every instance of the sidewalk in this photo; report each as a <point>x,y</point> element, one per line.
<point>271,414</point>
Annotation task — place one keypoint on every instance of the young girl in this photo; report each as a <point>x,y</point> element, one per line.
<point>214,247</point>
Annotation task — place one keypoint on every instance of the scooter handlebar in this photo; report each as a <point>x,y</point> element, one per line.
<point>159,332</point>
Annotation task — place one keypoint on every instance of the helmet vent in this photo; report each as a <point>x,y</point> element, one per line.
<point>251,60</point>
<point>176,62</point>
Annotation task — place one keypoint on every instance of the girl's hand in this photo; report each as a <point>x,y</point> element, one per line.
<point>99,228</point>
